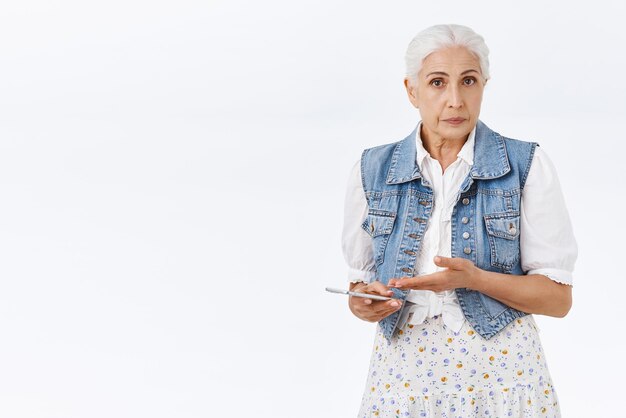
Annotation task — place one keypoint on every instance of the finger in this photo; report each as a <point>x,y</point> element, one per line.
<point>392,282</point>
<point>378,306</point>
<point>392,304</point>
<point>378,288</point>
<point>365,288</point>
<point>389,310</point>
<point>381,309</point>
<point>376,314</point>
<point>359,300</point>
<point>424,282</point>
<point>450,263</point>
<point>358,287</point>
<point>386,306</point>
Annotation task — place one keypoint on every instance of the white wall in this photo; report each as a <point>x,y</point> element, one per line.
<point>171,185</point>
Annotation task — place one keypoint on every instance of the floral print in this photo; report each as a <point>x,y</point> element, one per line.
<point>428,370</point>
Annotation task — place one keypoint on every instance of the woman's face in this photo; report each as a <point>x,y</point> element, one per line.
<point>448,94</point>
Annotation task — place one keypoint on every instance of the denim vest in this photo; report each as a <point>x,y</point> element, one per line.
<point>485,220</point>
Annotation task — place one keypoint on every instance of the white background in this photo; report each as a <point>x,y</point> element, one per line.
<point>171,194</point>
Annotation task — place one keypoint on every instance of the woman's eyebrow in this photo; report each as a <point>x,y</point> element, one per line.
<point>436,73</point>
<point>447,75</point>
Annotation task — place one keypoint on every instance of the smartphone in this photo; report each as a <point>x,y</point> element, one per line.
<point>358,294</point>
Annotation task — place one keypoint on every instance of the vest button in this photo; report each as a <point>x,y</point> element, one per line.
<point>414,236</point>
<point>466,235</point>
<point>423,202</point>
<point>409,252</point>
<point>465,201</point>
<point>419,220</point>
<point>467,250</point>
<point>465,219</point>
<point>406,270</point>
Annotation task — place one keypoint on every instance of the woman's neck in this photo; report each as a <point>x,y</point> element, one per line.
<point>444,150</point>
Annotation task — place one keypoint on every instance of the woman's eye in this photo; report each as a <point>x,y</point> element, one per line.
<point>469,81</point>
<point>437,82</point>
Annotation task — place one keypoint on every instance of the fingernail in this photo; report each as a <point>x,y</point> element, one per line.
<point>437,259</point>
<point>367,301</point>
<point>395,304</point>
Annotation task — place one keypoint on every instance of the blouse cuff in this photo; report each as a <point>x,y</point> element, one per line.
<point>558,275</point>
<point>355,275</point>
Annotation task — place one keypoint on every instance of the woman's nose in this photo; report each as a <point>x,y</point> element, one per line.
<point>454,97</point>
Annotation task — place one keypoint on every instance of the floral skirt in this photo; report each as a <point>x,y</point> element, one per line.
<point>427,370</point>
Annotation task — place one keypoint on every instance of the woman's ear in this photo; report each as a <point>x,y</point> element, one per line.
<point>411,91</point>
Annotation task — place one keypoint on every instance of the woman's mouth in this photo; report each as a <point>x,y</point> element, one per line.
<point>454,121</point>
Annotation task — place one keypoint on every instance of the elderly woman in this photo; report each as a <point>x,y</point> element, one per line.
<point>469,232</point>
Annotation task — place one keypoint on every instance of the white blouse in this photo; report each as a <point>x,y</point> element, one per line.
<point>547,242</point>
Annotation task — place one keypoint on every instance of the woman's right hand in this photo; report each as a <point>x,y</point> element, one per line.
<point>372,310</point>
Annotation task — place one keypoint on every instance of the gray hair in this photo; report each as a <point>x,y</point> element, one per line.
<point>439,37</point>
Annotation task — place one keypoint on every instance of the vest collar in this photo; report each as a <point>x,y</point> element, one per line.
<point>490,157</point>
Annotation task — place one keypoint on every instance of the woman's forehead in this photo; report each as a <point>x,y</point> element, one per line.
<point>455,59</point>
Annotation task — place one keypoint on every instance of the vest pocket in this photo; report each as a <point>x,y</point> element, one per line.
<point>503,233</point>
<point>379,224</point>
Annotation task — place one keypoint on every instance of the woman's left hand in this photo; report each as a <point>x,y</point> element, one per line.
<point>459,273</point>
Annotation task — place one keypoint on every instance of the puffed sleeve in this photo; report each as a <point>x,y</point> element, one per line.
<point>547,242</point>
<point>356,243</point>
